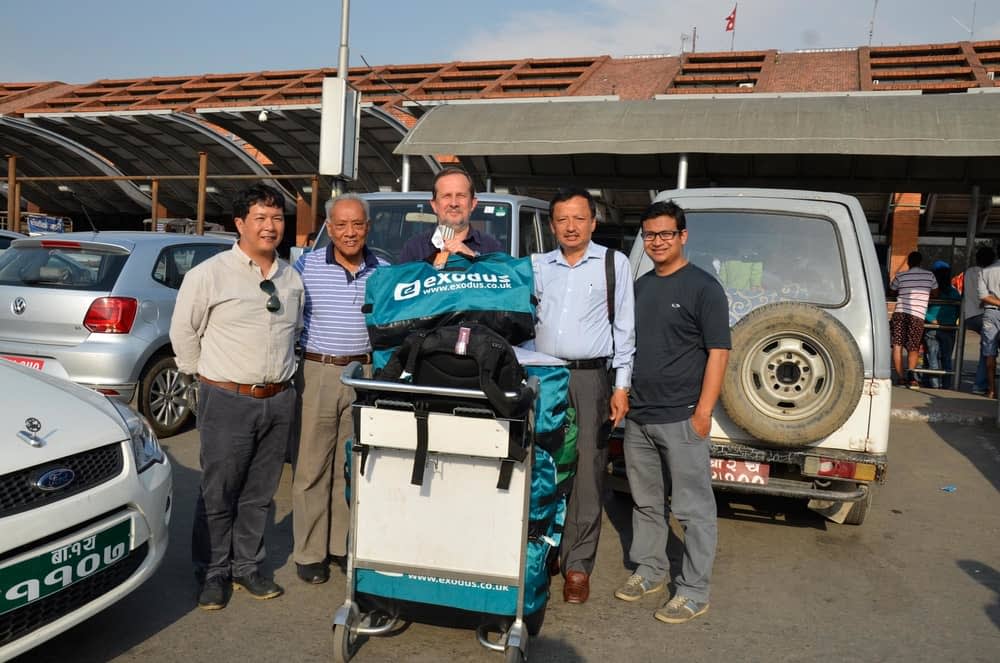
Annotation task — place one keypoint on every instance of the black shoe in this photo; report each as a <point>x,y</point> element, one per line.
<point>258,586</point>
<point>214,594</point>
<point>340,561</point>
<point>314,574</point>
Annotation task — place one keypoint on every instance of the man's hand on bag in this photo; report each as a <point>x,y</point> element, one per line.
<point>701,423</point>
<point>619,406</point>
<point>457,246</point>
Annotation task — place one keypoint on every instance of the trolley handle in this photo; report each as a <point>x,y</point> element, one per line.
<point>353,376</point>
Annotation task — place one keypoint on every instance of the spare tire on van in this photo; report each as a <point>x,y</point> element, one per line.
<point>794,376</point>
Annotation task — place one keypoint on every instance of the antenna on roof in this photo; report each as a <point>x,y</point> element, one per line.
<point>393,87</point>
<point>66,189</point>
<point>971,29</point>
<point>871,24</point>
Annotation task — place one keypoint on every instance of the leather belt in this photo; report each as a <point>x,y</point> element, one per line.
<point>338,360</point>
<point>597,362</point>
<point>261,390</point>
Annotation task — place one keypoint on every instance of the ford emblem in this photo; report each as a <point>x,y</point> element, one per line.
<point>18,305</point>
<point>55,479</point>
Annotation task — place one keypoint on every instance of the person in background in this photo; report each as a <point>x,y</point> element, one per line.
<point>972,311</point>
<point>333,335</point>
<point>571,285</point>
<point>453,201</point>
<point>234,326</point>
<point>913,289</point>
<point>939,344</point>
<point>988,289</point>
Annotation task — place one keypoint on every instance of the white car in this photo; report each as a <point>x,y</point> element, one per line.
<point>85,500</point>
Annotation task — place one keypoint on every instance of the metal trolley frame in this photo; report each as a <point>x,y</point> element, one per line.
<point>469,444</point>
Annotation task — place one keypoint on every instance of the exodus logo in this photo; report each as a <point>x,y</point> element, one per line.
<point>446,282</point>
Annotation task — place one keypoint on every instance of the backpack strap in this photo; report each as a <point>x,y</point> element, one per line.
<point>609,276</point>
<point>420,454</point>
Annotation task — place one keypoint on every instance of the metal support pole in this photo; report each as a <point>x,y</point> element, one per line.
<point>202,180</point>
<point>154,193</point>
<point>345,12</point>
<point>314,204</point>
<point>13,203</point>
<point>17,207</point>
<point>404,183</point>
<point>682,171</point>
<point>970,256</point>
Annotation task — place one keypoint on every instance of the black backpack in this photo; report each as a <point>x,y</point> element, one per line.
<point>428,357</point>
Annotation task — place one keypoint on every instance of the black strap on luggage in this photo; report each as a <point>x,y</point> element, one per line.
<point>423,439</point>
<point>356,443</point>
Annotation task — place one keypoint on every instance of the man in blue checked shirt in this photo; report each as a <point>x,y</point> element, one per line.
<point>333,335</point>
<point>573,324</point>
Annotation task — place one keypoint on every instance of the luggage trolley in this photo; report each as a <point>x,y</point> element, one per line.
<point>439,510</point>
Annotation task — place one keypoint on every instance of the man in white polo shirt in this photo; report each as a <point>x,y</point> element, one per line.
<point>333,335</point>
<point>913,290</point>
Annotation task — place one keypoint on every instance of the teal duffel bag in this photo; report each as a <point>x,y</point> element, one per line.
<point>494,290</point>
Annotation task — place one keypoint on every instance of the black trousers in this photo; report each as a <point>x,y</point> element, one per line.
<point>590,396</point>
<point>243,442</point>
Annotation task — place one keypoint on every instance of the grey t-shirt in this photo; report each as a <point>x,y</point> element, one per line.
<point>678,318</point>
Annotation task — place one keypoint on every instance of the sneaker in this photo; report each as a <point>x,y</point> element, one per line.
<point>680,609</point>
<point>979,392</point>
<point>214,594</point>
<point>914,385</point>
<point>258,586</point>
<point>636,587</point>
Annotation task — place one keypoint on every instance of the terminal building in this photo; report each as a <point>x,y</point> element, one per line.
<point>912,131</point>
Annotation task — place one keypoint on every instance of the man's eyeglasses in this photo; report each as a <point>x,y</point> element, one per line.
<point>273,303</point>
<point>664,235</point>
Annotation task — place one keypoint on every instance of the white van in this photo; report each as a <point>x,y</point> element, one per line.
<point>805,405</point>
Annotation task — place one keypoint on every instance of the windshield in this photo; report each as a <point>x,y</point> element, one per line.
<point>61,267</point>
<point>764,257</point>
<point>393,222</point>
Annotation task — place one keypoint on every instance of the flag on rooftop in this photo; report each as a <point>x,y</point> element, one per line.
<point>731,20</point>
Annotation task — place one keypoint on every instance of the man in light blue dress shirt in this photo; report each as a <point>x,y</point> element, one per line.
<point>573,324</point>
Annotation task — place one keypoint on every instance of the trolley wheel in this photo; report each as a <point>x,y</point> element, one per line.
<point>514,655</point>
<point>345,643</point>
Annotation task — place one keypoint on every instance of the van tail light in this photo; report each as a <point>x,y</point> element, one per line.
<point>839,469</point>
<point>111,315</point>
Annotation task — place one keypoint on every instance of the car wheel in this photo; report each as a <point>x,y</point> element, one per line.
<point>163,397</point>
<point>794,375</point>
<point>859,510</point>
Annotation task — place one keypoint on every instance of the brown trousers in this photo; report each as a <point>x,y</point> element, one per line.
<point>320,512</point>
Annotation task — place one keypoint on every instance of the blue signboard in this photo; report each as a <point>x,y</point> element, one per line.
<point>39,223</point>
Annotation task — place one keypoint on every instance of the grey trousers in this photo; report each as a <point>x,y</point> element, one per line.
<point>320,513</point>
<point>671,461</point>
<point>589,394</point>
<point>243,442</point>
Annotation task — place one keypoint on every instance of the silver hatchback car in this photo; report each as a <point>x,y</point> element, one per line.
<point>95,308</point>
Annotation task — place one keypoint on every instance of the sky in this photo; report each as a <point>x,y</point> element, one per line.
<point>80,42</point>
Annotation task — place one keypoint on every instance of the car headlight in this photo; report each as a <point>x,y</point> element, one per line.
<point>145,446</point>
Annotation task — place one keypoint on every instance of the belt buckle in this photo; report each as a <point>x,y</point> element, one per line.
<point>254,387</point>
<point>340,361</point>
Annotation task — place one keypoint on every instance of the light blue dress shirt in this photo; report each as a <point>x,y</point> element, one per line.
<point>573,309</point>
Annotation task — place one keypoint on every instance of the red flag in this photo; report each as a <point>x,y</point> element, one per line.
<point>731,21</point>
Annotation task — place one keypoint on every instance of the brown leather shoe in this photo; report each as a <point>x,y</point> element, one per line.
<point>577,587</point>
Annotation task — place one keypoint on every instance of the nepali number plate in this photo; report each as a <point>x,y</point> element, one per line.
<point>30,362</point>
<point>740,471</point>
<point>43,575</point>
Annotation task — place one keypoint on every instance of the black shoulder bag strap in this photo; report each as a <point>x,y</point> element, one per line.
<point>609,276</point>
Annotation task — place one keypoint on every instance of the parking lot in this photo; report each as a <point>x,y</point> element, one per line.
<point>919,581</point>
